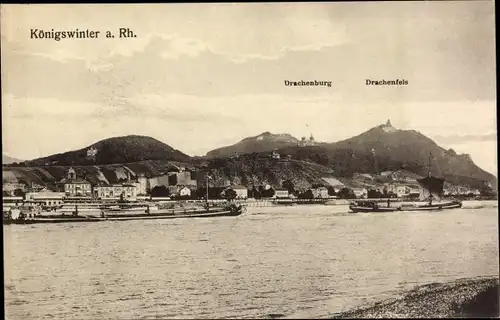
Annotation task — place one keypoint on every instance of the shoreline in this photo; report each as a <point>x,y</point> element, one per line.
<point>463,298</point>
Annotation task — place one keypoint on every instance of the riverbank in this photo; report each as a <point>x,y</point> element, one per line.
<point>476,297</point>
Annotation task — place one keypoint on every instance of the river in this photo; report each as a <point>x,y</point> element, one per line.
<point>297,261</point>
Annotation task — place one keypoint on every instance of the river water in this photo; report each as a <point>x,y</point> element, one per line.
<point>298,261</point>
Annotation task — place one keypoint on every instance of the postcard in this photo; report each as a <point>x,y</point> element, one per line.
<point>249,160</point>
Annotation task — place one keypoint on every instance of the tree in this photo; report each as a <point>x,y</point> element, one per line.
<point>306,195</point>
<point>19,193</point>
<point>160,191</point>
<point>172,180</point>
<point>268,193</point>
<point>255,193</point>
<point>346,193</point>
<point>288,184</point>
<point>373,194</point>
<point>230,194</point>
<point>331,191</point>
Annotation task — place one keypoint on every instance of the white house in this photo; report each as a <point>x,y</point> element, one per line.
<point>360,192</point>
<point>275,155</point>
<point>142,184</point>
<point>114,191</point>
<point>48,198</point>
<point>241,191</point>
<point>320,192</point>
<point>74,187</point>
<point>476,192</point>
<point>281,193</point>
<point>402,191</point>
<point>184,192</point>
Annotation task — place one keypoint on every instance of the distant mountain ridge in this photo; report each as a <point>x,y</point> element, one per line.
<point>414,150</point>
<point>8,160</point>
<point>382,148</point>
<point>116,150</point>
<point>266,141</point>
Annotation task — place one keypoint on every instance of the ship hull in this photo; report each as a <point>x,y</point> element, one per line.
<point>433,207</point>
<point>129,216</point>
<point>354,208</point>
<point>403,207</point>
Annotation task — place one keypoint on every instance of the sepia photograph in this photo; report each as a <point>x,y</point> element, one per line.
<point>269,160</point>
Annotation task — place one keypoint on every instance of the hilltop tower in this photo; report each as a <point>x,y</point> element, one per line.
<point>388,126</point>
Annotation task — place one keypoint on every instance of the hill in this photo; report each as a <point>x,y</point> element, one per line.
<point>385,148</point>
<point>414,152</point>
<point>263,142</point>
<point>258,169</point>
<point>382,148</point>
<point>117,150</point>
<point>8,160</point>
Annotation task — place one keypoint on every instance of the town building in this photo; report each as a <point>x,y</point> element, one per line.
<point>142,184</point>
<point>281,193</point>
<point>275,155</point>
<point>360,192</point>
<point>241,191</point>
<point>47,198</point>
<point>179,191</point>
<point>125,191</point>
<point>184,192</point>
<point>320,192</point>
<point>74,186</point>
<point>184,178</point>
<point>174,177</point>
<point>10,187</point>
<point>402,191</point>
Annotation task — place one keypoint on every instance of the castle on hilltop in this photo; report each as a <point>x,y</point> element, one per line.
<point>388,127</point>
<point>91,152</point>
<point>307,142</point>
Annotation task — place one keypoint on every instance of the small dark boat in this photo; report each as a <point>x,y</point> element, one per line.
<point>371,206</point>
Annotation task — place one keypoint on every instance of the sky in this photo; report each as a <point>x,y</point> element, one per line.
<point>201,76</point>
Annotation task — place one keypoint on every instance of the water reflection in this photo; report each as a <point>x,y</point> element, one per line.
<point>301,261</point>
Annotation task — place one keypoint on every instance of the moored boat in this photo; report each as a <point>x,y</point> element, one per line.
<point>228,210</point>
<point>431,207</point>
<point>372,206</point>
<point>432,190</point>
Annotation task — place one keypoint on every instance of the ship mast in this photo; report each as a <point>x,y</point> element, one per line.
<point>206,178</point>
<point>429,165</point>
<point>430,175</point>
